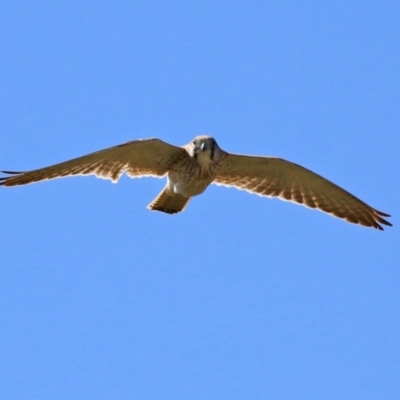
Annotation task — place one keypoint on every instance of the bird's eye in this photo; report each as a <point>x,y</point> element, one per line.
<point>195,142</point>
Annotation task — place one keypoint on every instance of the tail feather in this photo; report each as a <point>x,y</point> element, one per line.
<point>170,203</point>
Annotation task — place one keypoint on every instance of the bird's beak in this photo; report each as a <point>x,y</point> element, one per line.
<point>203,147</point>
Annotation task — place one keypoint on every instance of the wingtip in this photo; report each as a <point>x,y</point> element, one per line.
<point>12,172</point>
<point>5,179</point>
<point>380,220</point>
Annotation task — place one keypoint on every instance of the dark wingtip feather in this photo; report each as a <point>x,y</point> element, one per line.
<point>384,222</point>
<point>382,214</point>
<point>11,172</point>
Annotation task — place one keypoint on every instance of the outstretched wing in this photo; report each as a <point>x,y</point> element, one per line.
<point>149,157</point>
<point>271,177</point>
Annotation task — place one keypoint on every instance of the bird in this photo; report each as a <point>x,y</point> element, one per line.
<point>190,169</point>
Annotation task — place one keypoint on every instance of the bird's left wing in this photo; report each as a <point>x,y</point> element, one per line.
<point>268,176</point>
<point>149,157</point>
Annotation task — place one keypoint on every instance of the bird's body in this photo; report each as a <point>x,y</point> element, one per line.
<point>192,168</point>
<point>191,175</point>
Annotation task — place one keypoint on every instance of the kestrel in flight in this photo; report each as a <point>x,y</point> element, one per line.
<point>191,168</point>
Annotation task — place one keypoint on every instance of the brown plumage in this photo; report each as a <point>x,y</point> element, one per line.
<point>191,168</point>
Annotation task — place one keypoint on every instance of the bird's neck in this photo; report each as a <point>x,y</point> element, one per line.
<point>203,159</point>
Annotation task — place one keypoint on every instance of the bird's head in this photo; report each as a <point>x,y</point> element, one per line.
<point>204,149</point>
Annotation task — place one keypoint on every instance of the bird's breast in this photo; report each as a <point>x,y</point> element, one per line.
<point>189,178</point>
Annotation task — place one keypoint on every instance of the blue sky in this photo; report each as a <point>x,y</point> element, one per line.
<point>239,297</point>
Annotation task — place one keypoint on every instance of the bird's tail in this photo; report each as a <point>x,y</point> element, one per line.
<point>170,203</point>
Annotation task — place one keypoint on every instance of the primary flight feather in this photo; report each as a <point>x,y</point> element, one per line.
<point>191,168</point>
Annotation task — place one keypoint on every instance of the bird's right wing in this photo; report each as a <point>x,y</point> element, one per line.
<point>149,157</point>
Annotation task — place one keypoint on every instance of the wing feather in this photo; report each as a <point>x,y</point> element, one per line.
<point>149,157</point>
<point>275,177</point>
